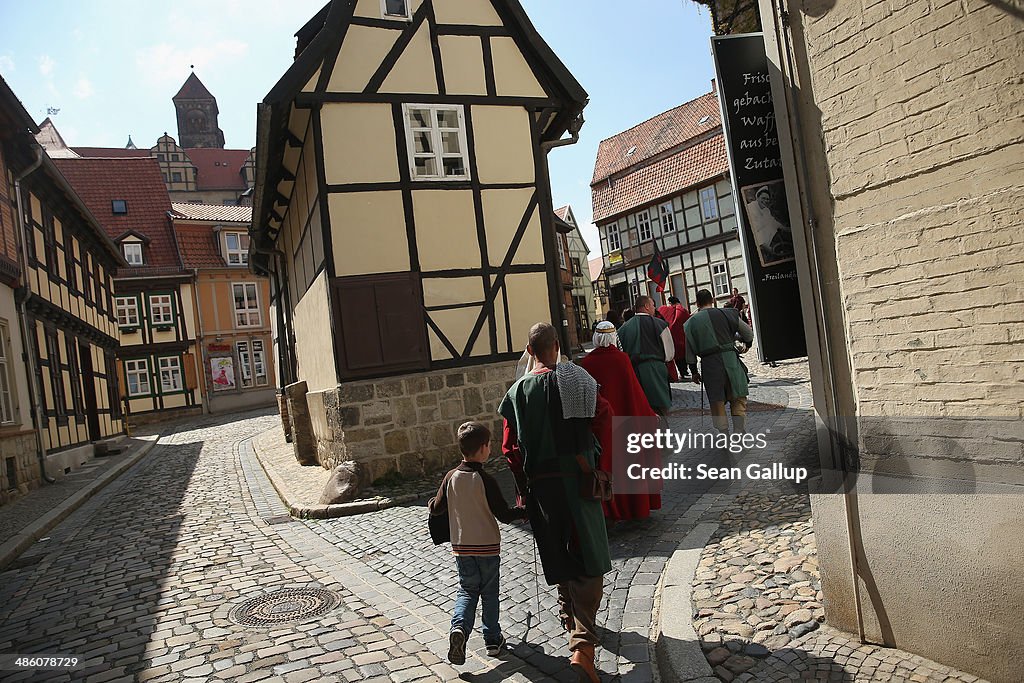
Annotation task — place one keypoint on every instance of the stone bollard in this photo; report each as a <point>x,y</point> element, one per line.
<point>301,427</point>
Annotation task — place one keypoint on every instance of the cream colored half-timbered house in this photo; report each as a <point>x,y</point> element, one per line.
<point>153,301</point>
<point>402,203</point>
<point>61,387</point>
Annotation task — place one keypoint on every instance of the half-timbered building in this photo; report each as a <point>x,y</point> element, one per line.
<point>232,306</point>
<point>58,336</point>
<point>153,302</point>
<point>402,207</point>
<point>664,183</point>
<point>582,290</point>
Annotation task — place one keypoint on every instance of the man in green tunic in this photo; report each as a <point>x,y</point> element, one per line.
<point>548,439</point>
<point>711,333</point>
<point>648,343</point>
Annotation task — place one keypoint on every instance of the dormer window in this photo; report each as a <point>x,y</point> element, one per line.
<point>132,253</point>
<point>396,9</point>
<point>119,206</point>
<point>236,248</point>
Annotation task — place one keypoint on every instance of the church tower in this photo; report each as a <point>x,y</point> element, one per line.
<point>197,116</point>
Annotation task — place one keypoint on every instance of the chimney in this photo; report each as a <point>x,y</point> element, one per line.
<point>714,86</point>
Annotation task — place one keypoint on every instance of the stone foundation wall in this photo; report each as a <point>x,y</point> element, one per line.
<point>406,424</point>
<point>21,447</point>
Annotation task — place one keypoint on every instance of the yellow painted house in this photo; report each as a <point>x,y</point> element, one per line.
<point>403,210</point>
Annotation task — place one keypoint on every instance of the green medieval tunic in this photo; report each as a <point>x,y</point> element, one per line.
<point>711,334</point>
<point>640,338</point>
<point>541,447</point>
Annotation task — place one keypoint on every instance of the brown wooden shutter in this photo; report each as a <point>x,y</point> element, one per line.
<point>378,324</point>
<point>189,361</point>
<point>121,384</point>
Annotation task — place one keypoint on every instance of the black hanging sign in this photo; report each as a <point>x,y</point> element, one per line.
<point>752,140</point>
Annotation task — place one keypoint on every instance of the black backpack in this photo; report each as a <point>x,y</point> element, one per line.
<point>440,529</point>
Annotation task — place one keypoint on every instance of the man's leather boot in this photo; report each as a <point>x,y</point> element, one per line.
<point>582,664</point>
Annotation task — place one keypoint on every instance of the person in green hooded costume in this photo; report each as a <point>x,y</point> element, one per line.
<point>552,415</point>
<point>711,333</point>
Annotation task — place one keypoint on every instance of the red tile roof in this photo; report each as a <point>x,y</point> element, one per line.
<point>192,89</point>
<point>655,135</point>
<point>596,265</point>
<point>140,183</point>
<point>198,246</point>
<point>110,152</point>
<point>562,212</point>
<point>218,169</point>
<point>213,212</point>
<point>692,165</point>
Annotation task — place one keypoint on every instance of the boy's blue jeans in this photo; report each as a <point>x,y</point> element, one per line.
<point>478,579</point>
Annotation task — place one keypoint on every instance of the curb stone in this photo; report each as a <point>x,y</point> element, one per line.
<point>23,540</point>
<point>679,655</point>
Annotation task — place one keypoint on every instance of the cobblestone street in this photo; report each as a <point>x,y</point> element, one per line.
<point>147,580</point>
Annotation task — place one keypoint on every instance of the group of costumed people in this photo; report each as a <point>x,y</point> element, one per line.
<point>558,420</point>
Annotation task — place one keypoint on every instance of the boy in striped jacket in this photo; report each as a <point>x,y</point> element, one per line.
<point>473,501</point>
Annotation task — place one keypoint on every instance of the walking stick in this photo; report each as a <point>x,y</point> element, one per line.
<point>702,403</point>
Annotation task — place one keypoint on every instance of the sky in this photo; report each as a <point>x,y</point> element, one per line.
<point>111,67</point>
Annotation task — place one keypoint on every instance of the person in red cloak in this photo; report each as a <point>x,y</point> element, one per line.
<point>675,314</point>
<point>619,386</point>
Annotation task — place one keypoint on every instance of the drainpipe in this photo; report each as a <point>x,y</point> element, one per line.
<point>200,349</point>
<point>34,388</point>
<point>555,277</point>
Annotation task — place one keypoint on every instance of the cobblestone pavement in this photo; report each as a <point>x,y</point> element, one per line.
<point>18,514</point>
<point>144,581</point>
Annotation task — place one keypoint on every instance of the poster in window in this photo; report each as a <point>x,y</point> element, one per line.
<point>222,372</point>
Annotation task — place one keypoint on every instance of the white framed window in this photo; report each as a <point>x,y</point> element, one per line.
<point>614,239</point>
<point>236,248</point>
<point>259,361</point>
<point>136,374</point>
<point>6,399</point>
<point>161,312</point>
<point>127,310</point>
<point>643,226</point>
<point>709,203</point>
<point>252,359</point>
<point>720,279</point>
<point>247,305</point>
<point>436,138</point>
<point>668,218</point>
<point>133,253</point>
<point>170,374</point>
<point>561,251</point>
<point>392,9</point>
<point>244,362</point>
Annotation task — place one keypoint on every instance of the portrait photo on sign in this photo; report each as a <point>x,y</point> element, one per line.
<point>768,214</point>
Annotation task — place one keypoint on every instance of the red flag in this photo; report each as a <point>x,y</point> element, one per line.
<point>657,270</point>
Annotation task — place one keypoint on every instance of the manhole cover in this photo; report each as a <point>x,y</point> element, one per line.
<point>285,606</point>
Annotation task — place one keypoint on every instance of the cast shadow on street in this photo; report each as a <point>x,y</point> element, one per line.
<point>94,592</point>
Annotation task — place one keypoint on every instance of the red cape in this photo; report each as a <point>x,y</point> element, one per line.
<point>619,385</point>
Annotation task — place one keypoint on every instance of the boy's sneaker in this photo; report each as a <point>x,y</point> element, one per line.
<point>457,647</point>
<point>497,648</point>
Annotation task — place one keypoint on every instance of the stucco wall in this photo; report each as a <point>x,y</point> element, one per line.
<point>915,151</point>
<point>314,338</point>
